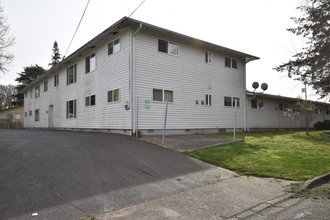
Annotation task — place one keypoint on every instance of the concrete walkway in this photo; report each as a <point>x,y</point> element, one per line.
<point>182,143</point>
<point>235,198</point>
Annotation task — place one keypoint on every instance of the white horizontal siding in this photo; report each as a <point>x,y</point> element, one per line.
<point>190,79</point>
<point>112,72</point>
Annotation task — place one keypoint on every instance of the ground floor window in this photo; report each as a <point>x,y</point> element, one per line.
<point>90,100</point>
<point>30,113</point>
<point>230,101</point>
<point>36,115</point>
<point>162,95</point>
<point>113,95</point>
<point>258,104</point>
<point>71,108</point>
<point>208,100</point>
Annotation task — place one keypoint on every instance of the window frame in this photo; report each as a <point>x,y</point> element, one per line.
<point>208,100</point>
<point>36,115</point>
<point>88,62</point>
<point>163,95</point>
<point>30,113</point>
<point>45,85</point>
<point>208,57</point>
<point>257,106</point>
<point>37,91</point>
<point>90,100</point>
<point>167,48</point>
<point>72,115</point>
<point>112,95</point>
<point>232,102</point>
<point>112,45</point>
<point>74,74</point>
<point>56,80</point>
<point>231,63</point>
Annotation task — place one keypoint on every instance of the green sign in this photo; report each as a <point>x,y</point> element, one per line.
<point>147,104</point>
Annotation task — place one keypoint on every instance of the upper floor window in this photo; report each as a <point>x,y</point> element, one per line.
<point>162,95</point>
<point>37,91</point>
<point>167,47</point>
<point>90,100</point>
<point>114,46</point>
<point>328,111</point>
<point>113,95</point>
<point>90,63</point>
<point>71,75</point>
<point>229,62</point>
<point>31,94</point>
<point>208,57</point>
<point>46,86</point>
<point>56,80</point>
<point>71,108</point>
<point>258,104</point>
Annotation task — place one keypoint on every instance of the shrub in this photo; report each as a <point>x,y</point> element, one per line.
<point>322,125</point>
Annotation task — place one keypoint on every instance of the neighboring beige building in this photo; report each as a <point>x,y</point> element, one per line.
<point>12,117</point>
<point>267,112</point>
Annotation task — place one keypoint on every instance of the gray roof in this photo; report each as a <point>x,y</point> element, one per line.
<point>113,30</point>
<point>281,98</point>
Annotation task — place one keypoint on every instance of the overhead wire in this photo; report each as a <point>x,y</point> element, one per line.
<point>77,28</point>
<point>136,8</point>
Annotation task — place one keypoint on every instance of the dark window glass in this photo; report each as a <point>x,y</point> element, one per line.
<point>227,101</point>
<point>87,64</point>
<point>254,103</point>
<point>110,99</point>
<point>280,106</point>
<point>110,48</point>
<point>162,46</point>
<point>234,64</point>
<point>157,95</point>
<point>93,100</point>
<point>227,62</point>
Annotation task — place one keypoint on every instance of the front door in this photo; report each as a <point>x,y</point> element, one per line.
<point>50,116</point>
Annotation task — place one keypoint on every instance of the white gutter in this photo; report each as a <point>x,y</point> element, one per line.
<point>133,81</point>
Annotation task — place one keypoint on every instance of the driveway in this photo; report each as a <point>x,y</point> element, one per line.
<point>69,175</point>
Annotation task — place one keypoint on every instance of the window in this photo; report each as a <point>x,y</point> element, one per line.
<point>31,94</point>
<point>167,47</point>
<point>56,80</point>
<point>234,98</point>
<point>90,100</point>
<point>258,104</point>
<point>227,101</point>
<point>230,101</point>
<point>36,115</point>
<point>71,75</point>
<point>71,108</point>
<point>208,100</point>
<point>208,57</point>
<point>90,63</point>
<point>283,107</point>
<point>113,95</point>
<point>25,114</point>
<point>37,91</point>
<point>328,111</point>
<point>46,86</point>
<point>114,46</point>
<point>162,95</point>
<point>229,62</point>
<point>30,113</point>
<point>10,116</point>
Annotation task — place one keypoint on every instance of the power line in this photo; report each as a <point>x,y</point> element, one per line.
<point>136,8</point>
<point>76,29</point>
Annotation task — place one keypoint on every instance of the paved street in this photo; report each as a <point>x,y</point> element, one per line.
<point>69,175</point>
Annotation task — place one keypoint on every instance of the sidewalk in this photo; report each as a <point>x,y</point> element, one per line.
<point>236,198</point>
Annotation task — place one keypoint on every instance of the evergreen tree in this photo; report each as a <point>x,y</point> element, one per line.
<point>312,65</point>
<point>56,56</point>
<point>29,74</point>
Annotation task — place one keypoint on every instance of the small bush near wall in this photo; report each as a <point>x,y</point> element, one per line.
<point>322,125</point>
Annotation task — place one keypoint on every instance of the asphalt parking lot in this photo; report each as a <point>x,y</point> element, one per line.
<point>70,175</point>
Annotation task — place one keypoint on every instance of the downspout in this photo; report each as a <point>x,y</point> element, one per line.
<point>133,79</point>
<point>245,101</point>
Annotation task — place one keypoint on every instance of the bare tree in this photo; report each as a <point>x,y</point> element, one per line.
<point>7,96</point>
<point>6,41</point>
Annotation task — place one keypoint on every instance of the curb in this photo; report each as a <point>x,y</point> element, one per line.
<point>317,181</point>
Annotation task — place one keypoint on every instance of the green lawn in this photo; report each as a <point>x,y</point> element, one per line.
<point>287,155</point>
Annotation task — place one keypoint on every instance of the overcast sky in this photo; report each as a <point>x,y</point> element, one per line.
<point>256,27</point>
